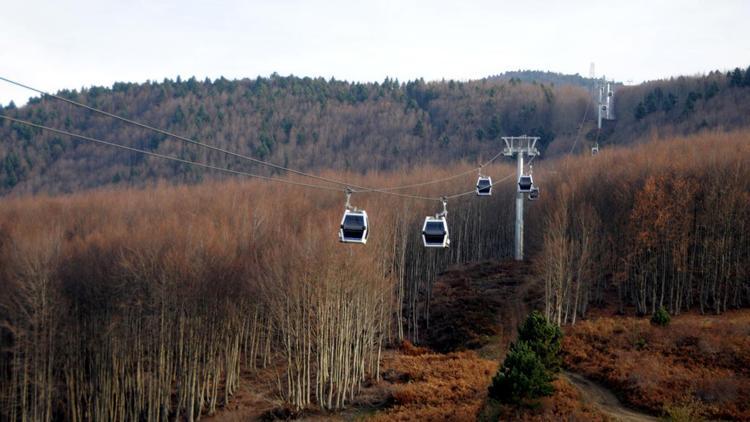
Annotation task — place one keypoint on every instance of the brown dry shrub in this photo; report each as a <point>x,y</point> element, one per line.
<point>453,387</point>
<point>441,387</point>
<point>409,349</point>
<point>565,404</point>
<point>687,411</point>
<point>706,356</point>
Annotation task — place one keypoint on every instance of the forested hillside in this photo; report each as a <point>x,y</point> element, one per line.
<point>662,224</point>
<point>174,292</point>
<point>679,106</point>
<point>335,125</point>
<point>545,77</point>
<point>300,122</point>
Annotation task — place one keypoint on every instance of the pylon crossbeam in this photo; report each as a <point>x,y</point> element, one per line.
<point>520,145</point>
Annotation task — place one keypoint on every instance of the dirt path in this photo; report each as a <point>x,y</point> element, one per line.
<point>604,400</point>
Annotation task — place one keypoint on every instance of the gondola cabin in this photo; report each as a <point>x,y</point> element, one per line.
<point>354,227</point>
<point>435,232</point>
<point>484,186</point>
<point>534,194</point>
<point>525,183</point>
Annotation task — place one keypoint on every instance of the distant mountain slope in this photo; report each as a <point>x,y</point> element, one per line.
<point>313,124</point>
<point>299,122</point>
<point>680,106</point>
<point>541,76</point>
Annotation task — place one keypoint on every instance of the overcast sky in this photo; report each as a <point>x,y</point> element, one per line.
<point>55,44</point>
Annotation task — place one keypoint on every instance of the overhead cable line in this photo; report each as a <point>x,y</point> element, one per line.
<point>580,128</point>
<point>166,157</point>
<point>176,136</point>
<point>204,165</point>
<point>354,226</point>
<point>354,188</point>
<point>473,191</point>
<point>432,182</point>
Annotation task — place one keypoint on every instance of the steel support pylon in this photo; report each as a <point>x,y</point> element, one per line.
<point>520,146</point>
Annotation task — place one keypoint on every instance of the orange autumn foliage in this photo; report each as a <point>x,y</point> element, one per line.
<point>703,359</point>
<point>438,387</point>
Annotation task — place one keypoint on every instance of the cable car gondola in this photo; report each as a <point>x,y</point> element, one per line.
<point>354,227</point>
<point>435,230</point>
<point>525,183</point>
<point>354,224</point>
<point>534,193</point>
<point>484,186</point>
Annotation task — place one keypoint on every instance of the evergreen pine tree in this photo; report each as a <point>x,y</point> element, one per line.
<point>522,376</point>
<point>531,364</point>
<point>735,78</point>
<point>544,339</point>
<point>660,317</point>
